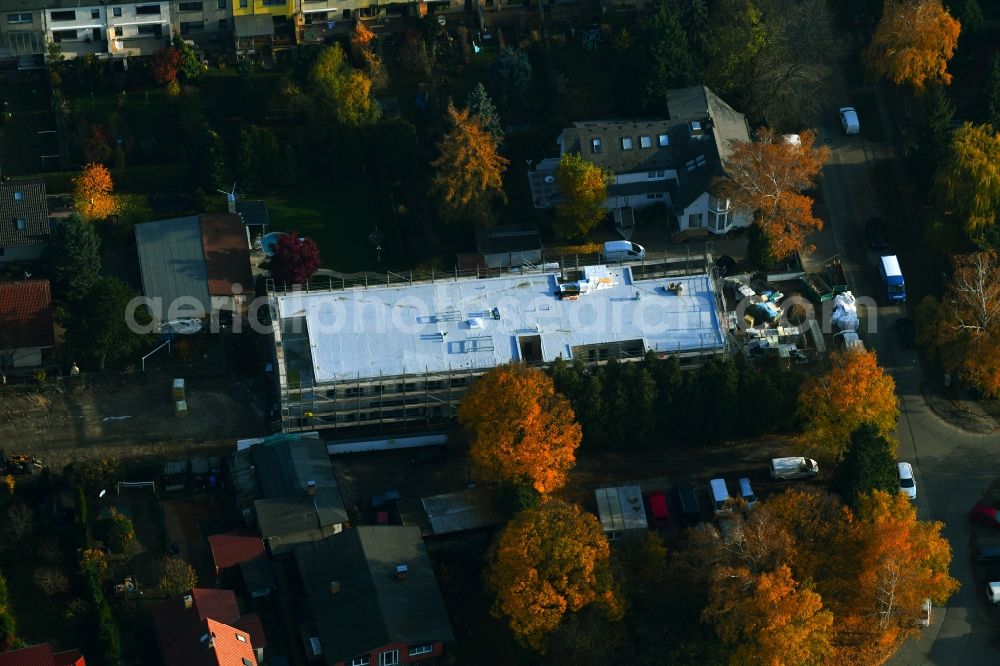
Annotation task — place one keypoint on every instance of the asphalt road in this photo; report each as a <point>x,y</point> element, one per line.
<point>952,467</point>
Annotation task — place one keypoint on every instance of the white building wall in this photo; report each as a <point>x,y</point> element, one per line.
<point>88,23</point>
<point>641,177</point>
<point>136,25</point>
<point>23,357</point>
<point>697,207</point>
<point>100,31</point>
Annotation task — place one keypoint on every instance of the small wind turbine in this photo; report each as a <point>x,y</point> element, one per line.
<point>231,196</point>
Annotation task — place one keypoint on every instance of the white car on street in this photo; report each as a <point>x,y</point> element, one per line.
<point>849,120</point>
<point>907,485</point>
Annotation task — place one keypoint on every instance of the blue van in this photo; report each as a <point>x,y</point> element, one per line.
<point>892,279</point>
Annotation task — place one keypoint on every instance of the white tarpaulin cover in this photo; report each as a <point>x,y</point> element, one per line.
<point>845,312</point>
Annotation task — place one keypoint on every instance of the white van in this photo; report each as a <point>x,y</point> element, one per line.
<point>720,495</point>
<point>623,250</point>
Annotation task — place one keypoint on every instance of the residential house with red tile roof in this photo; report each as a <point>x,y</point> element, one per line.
<point>25,323</point>
<point>41,655</point>
<point>205,627</point>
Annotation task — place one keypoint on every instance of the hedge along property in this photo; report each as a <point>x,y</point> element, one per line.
<point>404,354</point>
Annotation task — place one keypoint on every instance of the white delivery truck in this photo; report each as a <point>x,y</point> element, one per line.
<point>793,468</point>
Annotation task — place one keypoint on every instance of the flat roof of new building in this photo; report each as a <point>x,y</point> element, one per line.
<point>469,323</point>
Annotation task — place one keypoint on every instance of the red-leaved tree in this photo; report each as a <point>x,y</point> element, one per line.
<point>165,64</point>
<point>295,259</point>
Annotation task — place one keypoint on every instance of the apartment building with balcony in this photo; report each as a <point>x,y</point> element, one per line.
<point>114,29</point>
<point>21,28</point>
<point>203,20</point>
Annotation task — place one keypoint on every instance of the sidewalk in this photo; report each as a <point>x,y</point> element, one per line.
<point>967,415</point>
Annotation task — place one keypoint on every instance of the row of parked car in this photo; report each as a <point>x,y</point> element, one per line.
<point>658,513</point>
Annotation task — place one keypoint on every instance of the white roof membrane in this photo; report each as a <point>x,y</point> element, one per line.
<point>472,323</point>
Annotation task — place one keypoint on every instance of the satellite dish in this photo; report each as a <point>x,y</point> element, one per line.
<point>550,179</point>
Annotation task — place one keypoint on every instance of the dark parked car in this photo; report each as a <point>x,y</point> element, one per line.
<point>689,503</point>
<point>437,454</point>
<point>876,234</point>
<point>907,332</point>
<point>385,499</point>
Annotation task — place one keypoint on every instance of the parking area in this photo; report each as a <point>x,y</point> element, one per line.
<point>985,541</point>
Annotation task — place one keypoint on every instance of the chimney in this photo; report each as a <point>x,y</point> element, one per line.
<point>311,487</point>
<point>188,602</point>
<point>334,586</point>
<point>402,571</point>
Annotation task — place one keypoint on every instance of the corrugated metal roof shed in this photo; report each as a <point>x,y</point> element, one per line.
<point>172,263</point>
<point>621,508</point>
<point>459,511</point>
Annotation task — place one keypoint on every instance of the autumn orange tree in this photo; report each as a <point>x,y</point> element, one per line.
<point>913,42</point>
<point>853,391</point>
<point>584,187</point>
<point>521,430</point>
<point>93,193</point>
<point>768,177</point>
<point>902,562</point>
<point>964,325</point>
<point>547,562</point>
<point>769,618</point>
<point>469,169</point>
<point>363,50</point>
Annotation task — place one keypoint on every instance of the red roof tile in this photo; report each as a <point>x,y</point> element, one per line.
<point>227,254</point>
<point>233,548</point>
<point>172,620</point>
<point>251,624</point>
<point>68,658</point>
<point>41,655</point>
<point>25,314</point>
<point>213,614</point>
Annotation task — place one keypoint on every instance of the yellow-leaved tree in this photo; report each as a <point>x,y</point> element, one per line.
<point>853,391</point>
<point>967,181</point>
<point>469,169</point>
<point>913,42</point>
<point>521,430</point>
<point>584,187</point>
<point>549,561</point>
<point>93,193</point>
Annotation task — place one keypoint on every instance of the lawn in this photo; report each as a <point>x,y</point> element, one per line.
<point>21,145</point>
<point>871,121</point>
<point>339,219</point>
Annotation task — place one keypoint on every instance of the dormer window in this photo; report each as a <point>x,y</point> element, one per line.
<point>645,141</point>
<point>21,224</point>
<point>18,196</point>
<point>626,143</point>
<point>595,145</point>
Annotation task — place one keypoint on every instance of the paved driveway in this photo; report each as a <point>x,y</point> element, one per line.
<point>952,466</point>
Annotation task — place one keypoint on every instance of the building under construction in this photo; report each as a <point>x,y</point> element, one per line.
<point>403,352</point>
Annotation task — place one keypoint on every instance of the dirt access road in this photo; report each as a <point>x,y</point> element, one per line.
<point>60,425</point>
